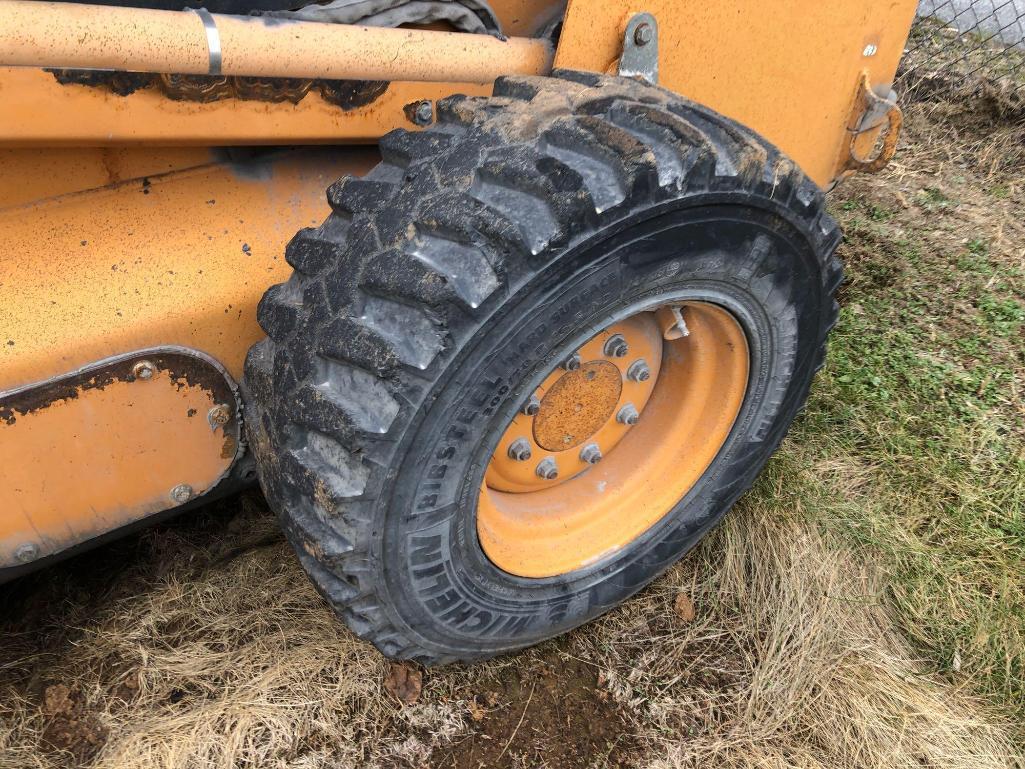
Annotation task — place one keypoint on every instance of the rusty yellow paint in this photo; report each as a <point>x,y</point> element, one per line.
<point>103,458</point>
<point>37,113</point>
<point>38,108</point>
<point>789,69</point>
<point>178,259</point>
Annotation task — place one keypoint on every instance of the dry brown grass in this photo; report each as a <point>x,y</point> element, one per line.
<point>818,676</point>
<point>791,660</point>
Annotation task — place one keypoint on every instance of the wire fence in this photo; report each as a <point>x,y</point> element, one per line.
<point>960,41</point>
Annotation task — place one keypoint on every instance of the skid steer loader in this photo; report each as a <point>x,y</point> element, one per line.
<point>568,288</point>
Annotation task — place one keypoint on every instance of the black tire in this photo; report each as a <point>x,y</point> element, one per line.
<point>453,276</point>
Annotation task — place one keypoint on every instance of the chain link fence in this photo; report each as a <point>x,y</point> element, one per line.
<point>958,42</point>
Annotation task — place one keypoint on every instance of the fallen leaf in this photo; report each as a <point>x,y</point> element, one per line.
<point>685,608</point>
<point>477,712</point>
<point>57,700</point>
<point>403,682</point>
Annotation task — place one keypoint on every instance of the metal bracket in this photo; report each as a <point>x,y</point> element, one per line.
<point>871,111</point>
<point>640,48</point>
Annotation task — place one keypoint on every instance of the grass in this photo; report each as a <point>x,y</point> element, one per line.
<point>863,606</point>
<point>925,389</point>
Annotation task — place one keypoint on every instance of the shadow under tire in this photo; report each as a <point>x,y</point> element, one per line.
<point>454,277</point>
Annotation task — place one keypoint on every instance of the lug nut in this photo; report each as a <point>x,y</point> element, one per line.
<point>590,454</point>
<point>638,371</point>
<point>628,415</point>
<point>572,363</point>
<point>519,450</point>
<point>532,406</point>
<point>547,469</point>
<point>616,346</point>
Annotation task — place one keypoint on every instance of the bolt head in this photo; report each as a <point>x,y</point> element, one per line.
<point>638,371</point>
<point>27,552</point>
<point>219,415</point>
<point>591,454</point>
<point>532,406</point>
<point>870,50</point>
<point>547,469</point>
<point>181,493</point>
<point>616,346</point>
<point>424,113</point>
<point>628,415</point>
<point>143,370</point>
<point>519,450</point>
<point>572,363</point>
<point>643,34</point>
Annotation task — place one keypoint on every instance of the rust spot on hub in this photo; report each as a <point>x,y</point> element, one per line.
<point>577,406</point>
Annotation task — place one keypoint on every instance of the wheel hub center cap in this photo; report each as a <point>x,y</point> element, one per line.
<point>577,406</point>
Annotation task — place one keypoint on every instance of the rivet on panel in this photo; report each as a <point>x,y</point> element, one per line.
<point>27,552</point>
<point>143,370</point>
<point>181,493</point>
<point>219,415</point>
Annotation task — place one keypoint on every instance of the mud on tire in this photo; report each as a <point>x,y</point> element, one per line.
<point>457,272</point>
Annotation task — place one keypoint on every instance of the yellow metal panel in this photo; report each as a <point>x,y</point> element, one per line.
<point>177,259</point>
<point>48,172</point>
<point>790,69</point>
<point>93,452</point>
<point>37,109</point>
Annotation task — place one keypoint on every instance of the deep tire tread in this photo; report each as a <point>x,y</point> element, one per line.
<point>355,333</point>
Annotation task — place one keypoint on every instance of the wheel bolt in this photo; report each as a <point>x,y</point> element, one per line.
<point>572,363</point>
<point>616,346</point>
<point>547,469</point>
<point>590,454</point>
<point>519,450</point>
<point>628,415</point>
<point>532,406</point>
<point>638,371</point>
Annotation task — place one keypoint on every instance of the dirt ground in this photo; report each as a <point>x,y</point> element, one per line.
<point>861,607</point>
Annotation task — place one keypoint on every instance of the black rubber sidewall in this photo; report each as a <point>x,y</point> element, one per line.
<point>444,588</point>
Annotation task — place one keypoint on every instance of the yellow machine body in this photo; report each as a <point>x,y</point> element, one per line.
<point>139,233</point>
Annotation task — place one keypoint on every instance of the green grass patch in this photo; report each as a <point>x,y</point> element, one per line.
<point>912,448</point>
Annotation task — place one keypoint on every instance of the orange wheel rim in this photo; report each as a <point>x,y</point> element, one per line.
<point>612,440</point>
